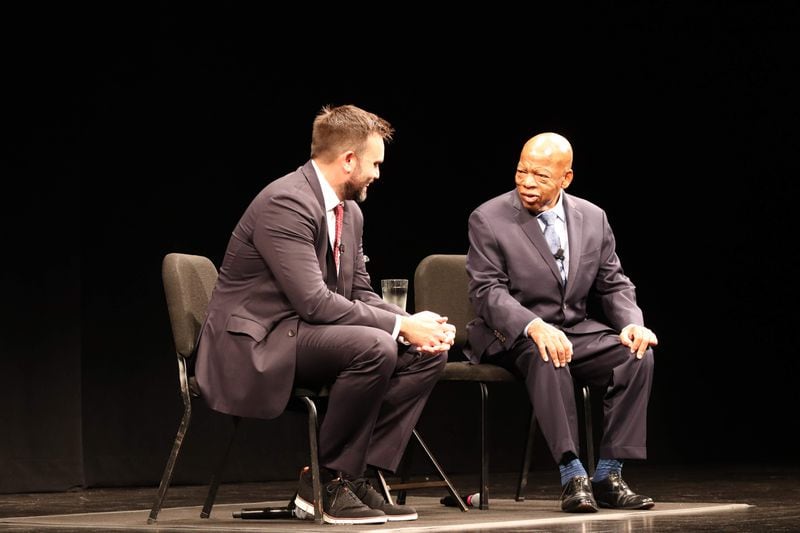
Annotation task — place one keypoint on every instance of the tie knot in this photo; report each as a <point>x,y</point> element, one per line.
<point>548,217</point>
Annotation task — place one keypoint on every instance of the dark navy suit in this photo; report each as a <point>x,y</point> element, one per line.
<point>514,279</point>
<point>280,316</point>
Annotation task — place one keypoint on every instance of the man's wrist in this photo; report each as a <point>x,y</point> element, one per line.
<point>396,331</point>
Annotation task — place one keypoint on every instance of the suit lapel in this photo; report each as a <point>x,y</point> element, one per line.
<point>530,226</point>
<point>575,234</point>
<point>324,251</point>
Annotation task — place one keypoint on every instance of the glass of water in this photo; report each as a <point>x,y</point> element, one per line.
<point>395,291</point>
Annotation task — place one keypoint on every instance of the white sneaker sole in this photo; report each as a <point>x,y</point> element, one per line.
<point>401,517</point>
<point>308,508</point>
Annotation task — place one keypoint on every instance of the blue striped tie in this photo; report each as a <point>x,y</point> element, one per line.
<point>550,234</point>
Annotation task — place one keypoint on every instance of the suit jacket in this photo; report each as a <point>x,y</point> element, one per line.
<point>278,272</point>
<point>514,277</point>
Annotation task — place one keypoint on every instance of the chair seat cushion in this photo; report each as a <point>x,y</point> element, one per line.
<point>465,371</point>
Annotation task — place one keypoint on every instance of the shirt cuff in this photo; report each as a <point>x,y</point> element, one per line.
<point>527,327</point>
<point>396,331</point>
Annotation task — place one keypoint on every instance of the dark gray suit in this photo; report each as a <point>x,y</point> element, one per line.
<point>515,279</point>
<point>279,315</point>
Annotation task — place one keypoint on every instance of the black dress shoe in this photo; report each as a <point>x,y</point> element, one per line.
<point>614,493</point>
<point>577,496</point>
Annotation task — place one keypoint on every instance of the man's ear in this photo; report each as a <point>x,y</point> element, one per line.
<point>348,161</point>
<point>567,179</point>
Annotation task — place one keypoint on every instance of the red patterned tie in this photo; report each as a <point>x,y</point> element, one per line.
<point>338,211</point>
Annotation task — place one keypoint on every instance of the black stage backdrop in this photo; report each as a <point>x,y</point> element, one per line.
<point>149,132</point>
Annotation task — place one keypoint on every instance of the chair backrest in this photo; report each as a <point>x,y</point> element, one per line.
<point>441,286</point>
<point>188,282</point>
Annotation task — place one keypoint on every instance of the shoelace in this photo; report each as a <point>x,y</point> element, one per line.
<point>341,489</point>
<point>368,488</point>
<point>623,485</point>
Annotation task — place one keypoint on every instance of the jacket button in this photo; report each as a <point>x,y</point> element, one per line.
<point>291,333</point>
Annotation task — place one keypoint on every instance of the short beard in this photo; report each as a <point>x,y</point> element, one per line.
<point>353,192</point>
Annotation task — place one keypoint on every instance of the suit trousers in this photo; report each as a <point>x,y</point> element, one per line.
<point>378,389</point>
<point>600,360</point>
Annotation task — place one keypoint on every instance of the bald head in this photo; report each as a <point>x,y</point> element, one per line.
<point>549,147</point>
<point>544,169</point>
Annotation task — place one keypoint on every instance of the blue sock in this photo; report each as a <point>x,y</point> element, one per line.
<point>570,470</point>
<point>606,467</point>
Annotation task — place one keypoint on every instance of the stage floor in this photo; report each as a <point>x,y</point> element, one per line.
<point>725,498</point>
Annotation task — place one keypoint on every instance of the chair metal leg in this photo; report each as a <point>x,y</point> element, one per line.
<point>215,479</point>
<point>587,416</point>
<point>169,469</point>
<point>526,460</point>
<point>440,471</point>
<point>404,484</point>
<point>387,495</point>
<point>313,444</point>
<point>484,447</point>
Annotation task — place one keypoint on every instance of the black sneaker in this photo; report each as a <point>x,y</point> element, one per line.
<point>365,492</point>
<point>339,504</point>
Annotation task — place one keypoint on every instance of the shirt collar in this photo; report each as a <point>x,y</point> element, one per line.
<point>328,194</point>
<point>558,209</point>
